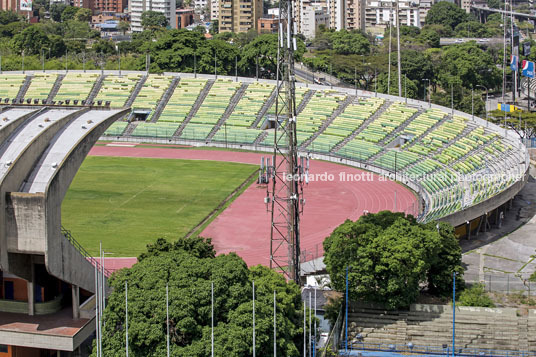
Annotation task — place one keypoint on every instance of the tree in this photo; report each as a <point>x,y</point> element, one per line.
<point>31,40</point>
<point>445,13</point>
<point>214,27</point>
<point>153,19</point>
<point>7,17</point>
<point>391,258</point>
<point>349,42</point>
<point>106,47</point>
<point>123,26</point>
<point>264,50</point>
<point>408,86</point>
<point>83,15</point>
<point>470,65</point>
<point>56,10</point>
<point>189,266</point>
<point>69,13</point>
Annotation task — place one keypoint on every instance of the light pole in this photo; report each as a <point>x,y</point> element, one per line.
<point>119,57</point>
<point>472,104</point>
<point>346,315</point>
<point>429,96</point>
<point>195,66</point>
<point>215,66</point>
<point>485,104</point>
<point>23,61</point>
<point>355,80</point>
<point>453,312</point>
<point>452,99</point>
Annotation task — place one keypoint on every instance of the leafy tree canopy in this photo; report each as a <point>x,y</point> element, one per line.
<point>446,13</point>
<point>391,257</point>
<point>189,266</point>
<point>153,19</point>
<point>7,17</point>
<point>69,13</point>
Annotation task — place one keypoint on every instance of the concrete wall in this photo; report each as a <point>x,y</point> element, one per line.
<point>26,223</point>
<point>62,259</point>
<point>14,178</point>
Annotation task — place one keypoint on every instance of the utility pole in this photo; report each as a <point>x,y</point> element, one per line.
<point>398,48</point>
<point>287,173</point>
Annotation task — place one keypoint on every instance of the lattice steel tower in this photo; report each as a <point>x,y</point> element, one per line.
<point>287,189</point>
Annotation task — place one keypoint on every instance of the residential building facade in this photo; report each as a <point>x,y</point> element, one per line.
<point>239,15</point>
<point>137,7</point>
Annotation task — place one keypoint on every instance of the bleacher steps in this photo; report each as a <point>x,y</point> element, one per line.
<point>401,127</point>
<point>55,88</point>
<point>130,128</point>
<point>136,91</point>
<point>306,99</point>
<point>497,330</point>
<point>428,131</point>
<point>165,99</point>
<point>193,111</point>
<point>24,88</point>
<point>363,125</point>
<point>266,106</point>
<point>260,138</point>
<point>96,88</point>
<point>232,104</point>
<point>341,108</point>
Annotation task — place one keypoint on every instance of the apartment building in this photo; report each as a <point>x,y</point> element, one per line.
<point>239,15</point>
<point>137,7</point>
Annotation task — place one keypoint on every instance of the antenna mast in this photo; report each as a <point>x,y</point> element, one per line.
<point>287,173</point>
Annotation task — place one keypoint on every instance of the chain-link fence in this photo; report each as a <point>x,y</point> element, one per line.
<point>503,283</point>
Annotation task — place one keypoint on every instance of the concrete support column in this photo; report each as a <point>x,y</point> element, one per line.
<point>468,229</point>
<point>76,301</point>
<point>31,291</point>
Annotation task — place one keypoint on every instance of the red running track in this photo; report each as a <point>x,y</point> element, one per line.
<point>244,227</point>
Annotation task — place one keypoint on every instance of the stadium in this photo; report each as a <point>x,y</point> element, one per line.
<point>440,164</point>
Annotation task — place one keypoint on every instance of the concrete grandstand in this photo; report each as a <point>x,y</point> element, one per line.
<point>464,169</point>
<point>47,280</point>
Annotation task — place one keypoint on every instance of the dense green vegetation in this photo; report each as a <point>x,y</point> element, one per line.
<point>476,295</point>
<point>127,202</point>
<point>392,258</point>
<point>189,266</point>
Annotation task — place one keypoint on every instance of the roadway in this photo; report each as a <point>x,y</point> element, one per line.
<point>445,41</point>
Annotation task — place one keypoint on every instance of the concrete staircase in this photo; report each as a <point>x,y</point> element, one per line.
<point>400,128</point>
<point>266,106</point>
<point>260,138</point>
<point>197,104</point>
<point>431,325</point>
<point>96,89</point>
<point>342,106</point>
<point>306,99</point>
<point>130,128</point>
<point>363,125</point>
<point>136,91</point>
<point>232,104</point>
<point>55,88</point>
<point>165,99</point>
<point>429,130</point>
<point>24,88</point>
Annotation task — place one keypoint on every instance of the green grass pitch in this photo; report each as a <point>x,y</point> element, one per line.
<point>130,202</point>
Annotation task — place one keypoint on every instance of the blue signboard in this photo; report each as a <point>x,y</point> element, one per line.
<point>528,69</point>
<point>513,63</point>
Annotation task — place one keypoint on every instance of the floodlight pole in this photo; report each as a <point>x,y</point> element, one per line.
<point>126,318</point>
<point>253,283</point>
<point>167,318</point>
